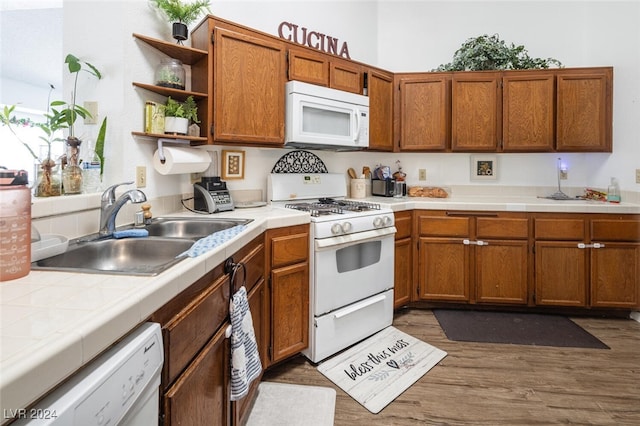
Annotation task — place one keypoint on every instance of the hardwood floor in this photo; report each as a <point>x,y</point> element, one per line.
<point>495,384</point>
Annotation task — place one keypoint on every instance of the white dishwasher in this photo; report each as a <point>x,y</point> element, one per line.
<point>120,387</point>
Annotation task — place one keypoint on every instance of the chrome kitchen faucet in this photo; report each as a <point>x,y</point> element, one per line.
<point>109,206</point>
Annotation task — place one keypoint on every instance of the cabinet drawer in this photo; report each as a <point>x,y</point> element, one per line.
<point>491,227</point>
<point>435,226</point>
<point>188,331</point>
<point>403,225</point>
<point>559,229</point>
<point>615,230</point>
<point>289,249</point>
<point>254,263</point>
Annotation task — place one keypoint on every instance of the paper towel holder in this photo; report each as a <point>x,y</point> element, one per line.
<point>172,141</point>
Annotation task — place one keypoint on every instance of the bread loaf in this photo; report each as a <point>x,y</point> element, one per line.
<point>431,192</point>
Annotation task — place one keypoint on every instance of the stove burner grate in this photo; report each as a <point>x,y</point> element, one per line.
<point>328,206</point>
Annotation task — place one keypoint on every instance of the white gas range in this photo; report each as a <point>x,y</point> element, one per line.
<point>351,259</point>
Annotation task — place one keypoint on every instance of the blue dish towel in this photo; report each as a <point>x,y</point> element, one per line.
<point>205,244</point>
<point>245,359</point>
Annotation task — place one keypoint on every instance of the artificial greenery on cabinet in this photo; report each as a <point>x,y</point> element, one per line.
<point>490,53</point>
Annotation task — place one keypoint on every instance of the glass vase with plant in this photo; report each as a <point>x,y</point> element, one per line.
<point>47,182</point>
<point>67,116</point>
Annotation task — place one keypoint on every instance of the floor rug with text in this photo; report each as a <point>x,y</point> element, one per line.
<point>377,370</point>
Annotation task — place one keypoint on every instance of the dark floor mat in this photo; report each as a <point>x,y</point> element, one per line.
<point>514,328</point>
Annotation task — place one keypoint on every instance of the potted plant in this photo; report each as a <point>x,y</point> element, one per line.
<point>177,115</point>
<point>181,14</point>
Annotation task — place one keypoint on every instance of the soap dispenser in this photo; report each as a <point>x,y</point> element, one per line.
<point>613,191</point>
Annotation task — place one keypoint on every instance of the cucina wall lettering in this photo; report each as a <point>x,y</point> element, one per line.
<point>313,39</point>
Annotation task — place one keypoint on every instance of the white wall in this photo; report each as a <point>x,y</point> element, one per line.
<point>396,35</point>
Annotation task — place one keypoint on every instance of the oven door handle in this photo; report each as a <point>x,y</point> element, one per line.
<point>351,239</point>
<point>360,305</point>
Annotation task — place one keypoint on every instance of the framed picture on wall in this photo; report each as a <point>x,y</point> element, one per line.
<point>232,164</point>
<point>484,167</point>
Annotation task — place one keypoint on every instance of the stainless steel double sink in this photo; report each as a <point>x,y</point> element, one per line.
<point>168,237</point>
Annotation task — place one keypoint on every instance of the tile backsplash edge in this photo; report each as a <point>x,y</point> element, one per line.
<point>77,215</point>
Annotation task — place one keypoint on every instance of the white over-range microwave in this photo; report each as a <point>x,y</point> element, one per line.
<point>319,117</point>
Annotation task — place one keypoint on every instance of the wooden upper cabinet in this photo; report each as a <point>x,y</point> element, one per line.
<point>380,86</point>
<point>584,103</point>
<point>423,111</point>
<point>309,67</point>
<point>238,83</point>
<point>345,75</point>
<point>249,74</point>
<point>528,114</point>
<point>324,70</point>
<point>475,111</point>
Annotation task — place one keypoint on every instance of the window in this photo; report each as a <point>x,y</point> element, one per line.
<point>13,154</point>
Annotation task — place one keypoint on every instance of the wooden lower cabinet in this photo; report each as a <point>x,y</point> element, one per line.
<point>615,275</point>
<point>287,254</point>
<point>502,272</point>
<point>195,377</point>
<point>201,395</point>
<point>555,260</point>
<point>561,274</point>
<point>290,310</point>
<point>473,257</point>
<point>403,258</point>
<point>443,269</point>
<point>587,260</point>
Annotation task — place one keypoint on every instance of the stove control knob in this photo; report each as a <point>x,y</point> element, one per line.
<point>336,229</point>
<point>387,221</point>
<point>346,227</point>
<point>377,222</point>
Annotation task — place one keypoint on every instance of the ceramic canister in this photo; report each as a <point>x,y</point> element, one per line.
<point>358,188</point>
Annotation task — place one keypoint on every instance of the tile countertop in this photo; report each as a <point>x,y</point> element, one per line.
<point>505,203</point>
<point>52,323</point>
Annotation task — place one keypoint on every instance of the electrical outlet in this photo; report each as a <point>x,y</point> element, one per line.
<point>564,174</point>
<point>195,177</point>
<point>422,174</point>
<point>141,176</point>
<point>92,107</point>
<point>637,175</point>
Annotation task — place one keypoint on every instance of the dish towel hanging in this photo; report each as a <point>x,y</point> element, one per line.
<point>207,243</point>
<point>245,359</point>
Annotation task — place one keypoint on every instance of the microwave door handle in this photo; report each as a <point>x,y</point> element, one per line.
<point>358,125</point>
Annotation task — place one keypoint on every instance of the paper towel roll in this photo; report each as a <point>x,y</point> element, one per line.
<point>181,160</point>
